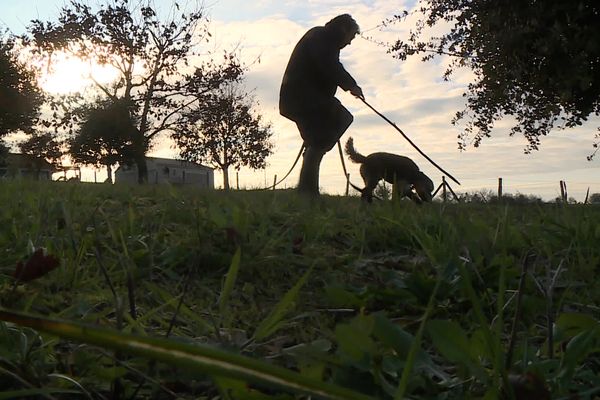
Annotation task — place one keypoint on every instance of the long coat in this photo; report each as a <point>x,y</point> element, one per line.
<point>307,94</point>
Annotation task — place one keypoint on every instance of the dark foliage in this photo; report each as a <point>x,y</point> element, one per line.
<point>20,97</point>
<point>106,136</point>
<point>3,153</point>
<point>594,198</point>
<point>42,147</point>
<point>537,61</point>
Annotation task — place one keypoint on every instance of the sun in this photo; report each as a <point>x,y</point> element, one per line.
<point>70,74</point>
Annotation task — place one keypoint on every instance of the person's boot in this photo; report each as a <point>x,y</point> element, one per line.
<point>309,174</point>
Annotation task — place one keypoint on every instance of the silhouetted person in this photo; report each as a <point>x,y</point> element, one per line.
<point>307,94</point>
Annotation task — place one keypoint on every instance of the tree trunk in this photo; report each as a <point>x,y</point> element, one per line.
<point>226,177</point>
<point>142,168</point>
<point>109,172</point>
<point>139,156</point>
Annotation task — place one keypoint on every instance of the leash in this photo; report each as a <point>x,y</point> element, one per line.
<point>288,173</point>
<point>344,168</point>
<point>408,139</point>
<point>346,172</point>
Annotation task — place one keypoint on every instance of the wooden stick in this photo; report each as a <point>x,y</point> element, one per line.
<point>444,194</point>
<point>499,188</point>
<point>587,196</point>
<point>437,190</point>
<point>452,191</point>
<point>347,184</point>
<point>409,141</point>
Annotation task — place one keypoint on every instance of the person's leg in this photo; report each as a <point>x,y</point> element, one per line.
<point>320,131</point>
<point>337,122</point>
<point>309,174</point>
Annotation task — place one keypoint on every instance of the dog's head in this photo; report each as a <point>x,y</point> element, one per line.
<point>423,186</point>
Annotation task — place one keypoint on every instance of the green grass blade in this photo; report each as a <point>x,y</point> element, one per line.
<point>416,345</point>
<point>199,358</point>
<point>229,283</point>
<point>272,322</point>
<point>491,341</point>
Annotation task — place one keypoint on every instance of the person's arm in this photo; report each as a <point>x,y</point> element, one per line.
<point>337,73</point>
<point>357,92</point>
<point>326,58</point>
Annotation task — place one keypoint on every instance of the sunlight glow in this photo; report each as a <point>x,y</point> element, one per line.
<point>70,74</point>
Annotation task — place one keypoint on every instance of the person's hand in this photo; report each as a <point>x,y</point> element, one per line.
<point>357,92</point>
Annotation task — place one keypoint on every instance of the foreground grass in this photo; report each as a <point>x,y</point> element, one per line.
<point>390,300</point>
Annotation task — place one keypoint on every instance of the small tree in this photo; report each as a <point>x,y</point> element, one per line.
<point>42,148</point>
<point>20,96</point>
<point>106,136</point>
<point>224,132</point>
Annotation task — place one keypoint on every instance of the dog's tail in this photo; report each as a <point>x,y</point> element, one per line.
<point>354,155</point>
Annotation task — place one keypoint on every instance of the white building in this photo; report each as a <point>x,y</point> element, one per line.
<point>167,170</point>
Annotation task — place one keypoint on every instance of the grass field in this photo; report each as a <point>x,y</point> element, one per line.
<point>327,298</point>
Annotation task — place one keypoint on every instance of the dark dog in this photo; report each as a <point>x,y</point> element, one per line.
<point>394,169</point>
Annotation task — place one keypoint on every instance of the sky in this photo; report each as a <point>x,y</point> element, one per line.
<point>410,93</point>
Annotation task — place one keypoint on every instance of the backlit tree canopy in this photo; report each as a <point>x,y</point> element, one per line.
<point>106,135</point>
<point>537,61</point>
<point>42,148</point>
<point>155,55</point>
<point>20,97</point>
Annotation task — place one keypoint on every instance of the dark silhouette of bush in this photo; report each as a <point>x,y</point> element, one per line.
<point>594,198</point>
<point>488,196</point>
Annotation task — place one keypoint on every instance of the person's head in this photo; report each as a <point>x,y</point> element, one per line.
<point>346,28</point>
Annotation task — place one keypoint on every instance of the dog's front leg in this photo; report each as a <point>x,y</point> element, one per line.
<point>367,195</point>
<point>402,189</point>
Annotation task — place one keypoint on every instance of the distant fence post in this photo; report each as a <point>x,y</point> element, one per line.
<point>274,181</point>
<point>95,180</point>
<point>499,188</point>
<point>444,193</point>
<point>587,196</point>
<point>563,191</point>
<point>347,183</point>
<point>237,180</point>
